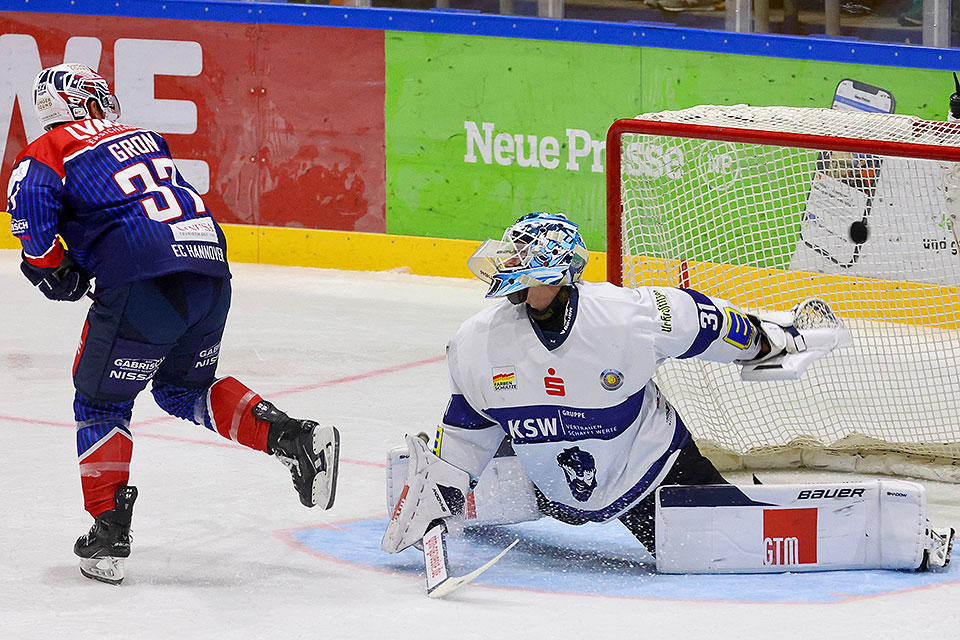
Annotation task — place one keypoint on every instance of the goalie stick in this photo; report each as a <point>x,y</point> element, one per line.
<point>439,581</point>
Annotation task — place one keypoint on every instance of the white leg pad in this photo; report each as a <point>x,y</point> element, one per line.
<point>503,494</point>
<point>878,524</point>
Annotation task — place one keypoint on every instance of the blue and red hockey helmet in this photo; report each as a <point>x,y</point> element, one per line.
<point>61,94</point>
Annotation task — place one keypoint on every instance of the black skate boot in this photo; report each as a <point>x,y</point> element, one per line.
<point>104,547</point>
<point>309,451</point>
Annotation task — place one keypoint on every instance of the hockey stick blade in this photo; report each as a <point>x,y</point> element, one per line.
<point>452,583</point>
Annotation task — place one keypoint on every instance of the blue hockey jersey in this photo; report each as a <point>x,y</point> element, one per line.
<point>113,194</point>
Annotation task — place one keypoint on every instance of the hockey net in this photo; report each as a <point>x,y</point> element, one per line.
<point>767,206</point>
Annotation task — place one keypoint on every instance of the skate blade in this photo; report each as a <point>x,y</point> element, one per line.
<point>327,440</point>
<point>108,569</point>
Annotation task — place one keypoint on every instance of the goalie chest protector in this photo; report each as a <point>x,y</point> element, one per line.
<point>587,422</point>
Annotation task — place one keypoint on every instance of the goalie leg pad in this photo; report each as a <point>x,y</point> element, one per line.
<point>434,490</point>
<point>504,493</point>
<point>879,524</point>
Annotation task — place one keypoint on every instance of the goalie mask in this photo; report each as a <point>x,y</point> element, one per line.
<point>540,248</point>
<point>61,93</point>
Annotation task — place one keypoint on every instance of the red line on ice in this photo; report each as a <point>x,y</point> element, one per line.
<point>230,445</point>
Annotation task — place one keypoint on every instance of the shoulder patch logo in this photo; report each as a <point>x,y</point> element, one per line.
<point>611,379</point>
<point>504,378</point>
<point>740,330</point>
<point>666,316</point>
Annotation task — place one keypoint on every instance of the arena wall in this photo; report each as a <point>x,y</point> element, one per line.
<point>380,139</point>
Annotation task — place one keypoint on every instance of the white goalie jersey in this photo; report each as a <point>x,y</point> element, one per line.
<point>587,422</point>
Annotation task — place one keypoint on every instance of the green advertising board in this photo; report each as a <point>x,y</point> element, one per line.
<point>675,79</point>
<point>483,129</point>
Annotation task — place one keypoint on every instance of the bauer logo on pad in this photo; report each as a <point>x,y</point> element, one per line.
<point>789,536</point>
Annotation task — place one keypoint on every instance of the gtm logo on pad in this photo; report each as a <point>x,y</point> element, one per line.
<point>789,536</point>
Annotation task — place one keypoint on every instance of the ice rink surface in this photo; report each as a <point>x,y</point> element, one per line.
<point>223,549</point>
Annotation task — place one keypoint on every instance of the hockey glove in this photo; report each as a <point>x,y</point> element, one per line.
<point>65,282</point>
<point>792,340</point>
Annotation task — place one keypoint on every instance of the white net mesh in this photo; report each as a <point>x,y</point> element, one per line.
<point>766,226</point>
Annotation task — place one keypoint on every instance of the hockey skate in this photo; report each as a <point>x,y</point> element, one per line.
<point>104,547</point>
<point>309,451</point>
<point>940,544</point>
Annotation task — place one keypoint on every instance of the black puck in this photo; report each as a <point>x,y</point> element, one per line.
<point>858,232</point>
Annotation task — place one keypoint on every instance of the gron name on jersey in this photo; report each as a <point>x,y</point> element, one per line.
<point>133,146</point>
<point>532,428</point>
<point>203,252</point>
<point>816,494</point>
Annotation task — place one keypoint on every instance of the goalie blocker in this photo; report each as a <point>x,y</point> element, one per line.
<point>879,524</point>
<point>503,494</point>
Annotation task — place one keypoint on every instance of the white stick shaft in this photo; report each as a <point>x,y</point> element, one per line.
<point>451,584</point>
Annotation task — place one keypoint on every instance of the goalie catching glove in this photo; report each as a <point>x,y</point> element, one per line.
<point>434,490</point>
<point>795,339</point>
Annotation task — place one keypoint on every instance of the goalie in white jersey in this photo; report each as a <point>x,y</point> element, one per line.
<point>565,369</point>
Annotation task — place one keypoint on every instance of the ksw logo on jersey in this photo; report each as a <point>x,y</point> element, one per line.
<point>789,536</point>
<point>554,386</point>
<point>533,428</point>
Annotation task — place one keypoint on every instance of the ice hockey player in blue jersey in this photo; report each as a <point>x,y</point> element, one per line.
<point>564,369</point>
<point>96,200</point>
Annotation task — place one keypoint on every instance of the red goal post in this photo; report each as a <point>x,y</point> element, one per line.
<point>767,205</point>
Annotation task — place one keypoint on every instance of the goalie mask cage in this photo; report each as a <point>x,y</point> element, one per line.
<point>767,206</point>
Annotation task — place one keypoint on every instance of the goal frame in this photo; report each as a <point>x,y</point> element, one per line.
<point>881,462</point>
<point>634,126</point>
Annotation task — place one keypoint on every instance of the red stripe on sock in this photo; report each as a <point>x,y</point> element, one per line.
<point>103,469</point>
<point>230,406</point>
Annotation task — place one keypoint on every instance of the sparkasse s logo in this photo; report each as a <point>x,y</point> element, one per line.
<point>789,536</point>
<point>553,385</point>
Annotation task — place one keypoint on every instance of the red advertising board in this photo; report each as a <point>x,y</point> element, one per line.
<point>276,125</point>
